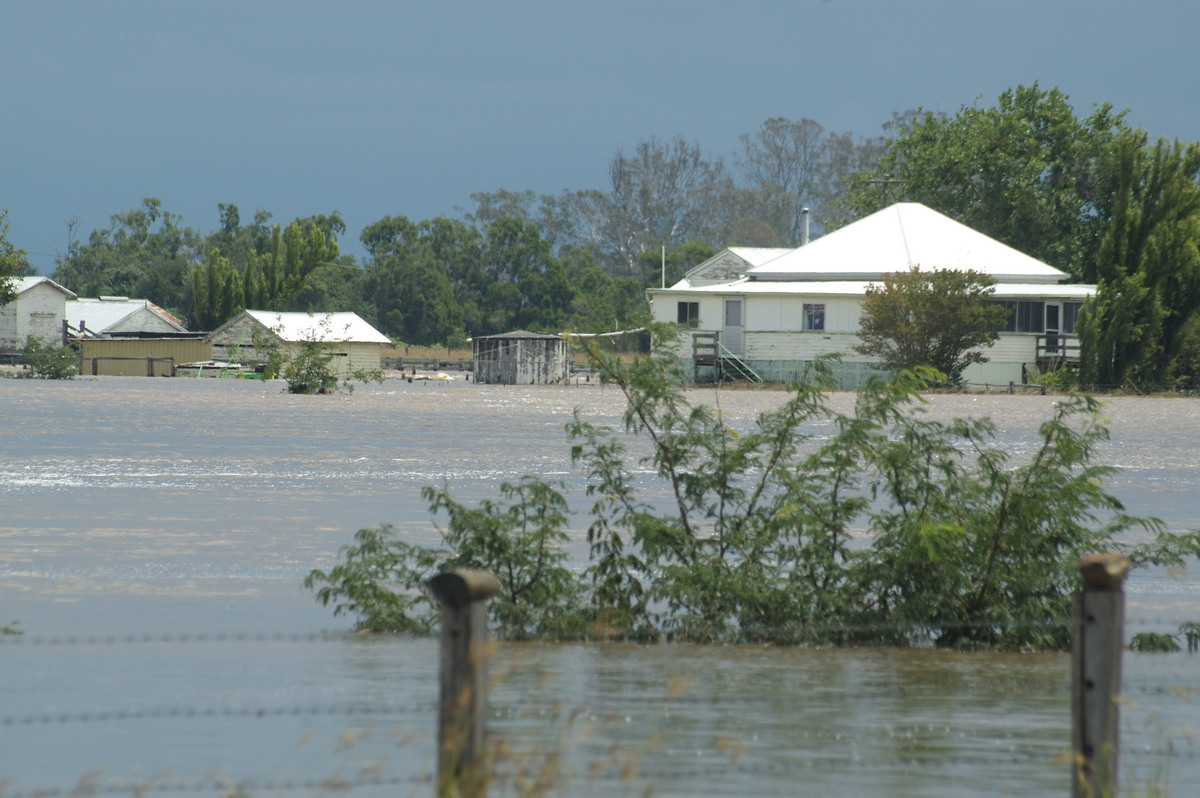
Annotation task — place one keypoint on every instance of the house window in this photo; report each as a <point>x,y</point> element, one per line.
<point>1024,316</point>
<point>689,313</point>
<point>814,317</point>
<point>1070,315</point>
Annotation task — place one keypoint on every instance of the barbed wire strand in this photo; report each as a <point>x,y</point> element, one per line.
<point>1033,624</point>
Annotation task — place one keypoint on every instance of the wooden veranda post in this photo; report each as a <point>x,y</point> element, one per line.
<point>462,714</point>
<point>1098,629</point>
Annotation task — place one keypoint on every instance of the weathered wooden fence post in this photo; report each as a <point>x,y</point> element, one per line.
<point>1098,628</point>
<point>462,770</point>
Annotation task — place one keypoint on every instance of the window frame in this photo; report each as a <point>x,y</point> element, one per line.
<point>813,317</point>
<point>687,313</point>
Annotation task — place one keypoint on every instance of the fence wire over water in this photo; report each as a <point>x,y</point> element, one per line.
<point>330,713</point>
<point>156,534</point>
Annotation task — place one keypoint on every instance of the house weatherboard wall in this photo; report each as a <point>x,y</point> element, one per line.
<point>784,310</point>
<point>38,311</point>
<point>242,338</point>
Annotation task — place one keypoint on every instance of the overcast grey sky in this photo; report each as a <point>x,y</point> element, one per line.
<point>391,108</point>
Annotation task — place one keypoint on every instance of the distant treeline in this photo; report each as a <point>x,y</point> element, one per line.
<point>1087,194</point>
<point>579,261</point>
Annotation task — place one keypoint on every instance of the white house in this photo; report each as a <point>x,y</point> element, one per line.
<point>38,310</point>
<point>119,316</point>
<point>358,344</point>
<point>772,317</point>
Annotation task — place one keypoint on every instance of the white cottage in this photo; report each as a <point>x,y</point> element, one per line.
<point>38,310</point>
<point>358,344</point>
<point>785,308</point>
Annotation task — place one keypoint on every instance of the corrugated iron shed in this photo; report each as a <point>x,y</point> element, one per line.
<point>522,358</point>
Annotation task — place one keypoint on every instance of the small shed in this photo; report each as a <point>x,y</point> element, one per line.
<point>522,358</point>
<point>38,310</point>
<point>357,343</point>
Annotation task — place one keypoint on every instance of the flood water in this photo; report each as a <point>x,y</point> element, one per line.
<point>155,533</point>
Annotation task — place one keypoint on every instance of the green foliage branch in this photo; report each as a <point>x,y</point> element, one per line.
<point>815,526</point>
<point>12,262</point>
<point>309,368</point>
<point>47,361</point>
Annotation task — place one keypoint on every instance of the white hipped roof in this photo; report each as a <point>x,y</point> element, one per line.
<point>897,238</point>
<point>319,327</point>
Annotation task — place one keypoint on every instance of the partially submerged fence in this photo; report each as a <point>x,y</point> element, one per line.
<point>464,717</point>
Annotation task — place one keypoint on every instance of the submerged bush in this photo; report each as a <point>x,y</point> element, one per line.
<point>966,547</point>
<point>1155,642</point>
<point>47,361</point>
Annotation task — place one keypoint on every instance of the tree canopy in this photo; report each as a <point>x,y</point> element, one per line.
<point>1144,324</point>
<point>888,527</point>
<point>938,318</point>
<point>12,263</point>
<point>1086,194</point>
<point>1025,171</point>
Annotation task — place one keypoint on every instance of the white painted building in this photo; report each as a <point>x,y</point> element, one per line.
<point>774,312</point>
<point>38,310</point>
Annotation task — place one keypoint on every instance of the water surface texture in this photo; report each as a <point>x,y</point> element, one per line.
<point>154,535</point>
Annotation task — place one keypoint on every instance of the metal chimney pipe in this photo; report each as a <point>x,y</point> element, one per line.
<point>804,228</point>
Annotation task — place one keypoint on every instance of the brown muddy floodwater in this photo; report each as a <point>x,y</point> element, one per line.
<point>154,535</point>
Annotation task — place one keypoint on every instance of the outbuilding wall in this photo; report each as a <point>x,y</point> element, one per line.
<point>516,360</point>
<point>37,311</point>
<point>140,357</point>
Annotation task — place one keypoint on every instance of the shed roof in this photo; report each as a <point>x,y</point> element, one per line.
<point>897,238</point>
<point>293,327</point>
<point>23,284</point>
<point>107,312</point>
<point>519,334</point>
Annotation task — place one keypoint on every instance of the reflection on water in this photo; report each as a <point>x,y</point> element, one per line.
<point>139,508</point>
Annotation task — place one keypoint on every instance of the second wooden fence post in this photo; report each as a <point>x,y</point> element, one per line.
<point>1098,629</point>
<point>462,769</point>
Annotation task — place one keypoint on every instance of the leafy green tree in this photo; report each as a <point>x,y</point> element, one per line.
<point>1139,327</point>
<point>217,290</point>
<point>939,318</point>
<point>601,302</point>
<point>273,279</point>
<point>527,282</point>
<point>308,365</point>
<point>378,580</point>
<point>1024,172</point>
<point>273,274</point>
<point>813,526</point>
<point>144,253</point>
<point>679,260</point>
<point>333,286</point>
<point>520,538</point>
<point>12,262</point>
<point>48,361</point>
